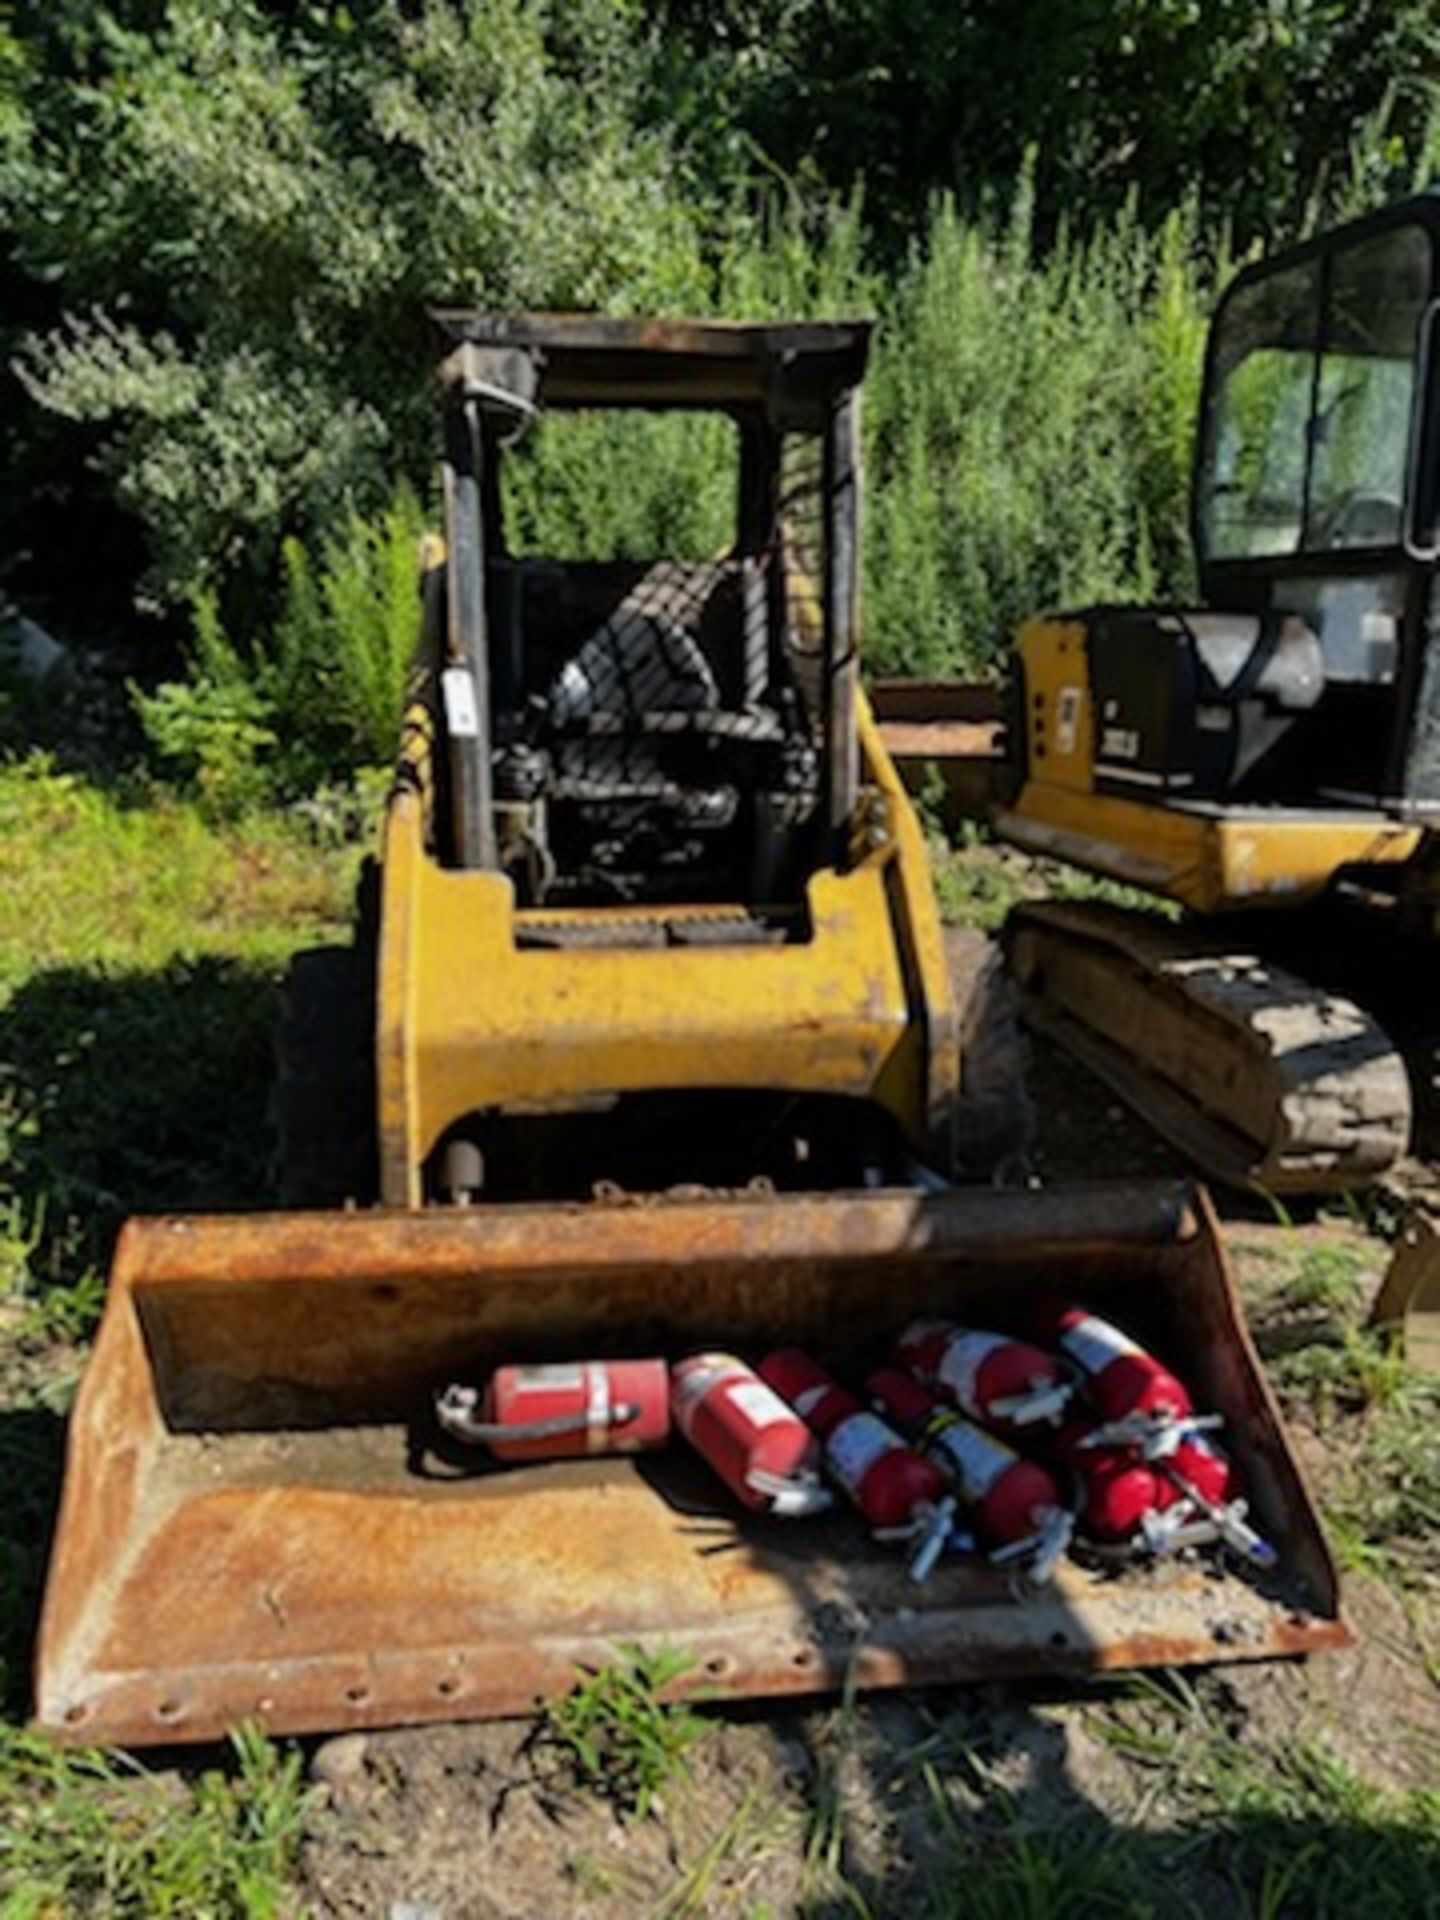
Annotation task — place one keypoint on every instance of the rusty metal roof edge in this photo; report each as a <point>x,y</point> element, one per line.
<point>632,333</point>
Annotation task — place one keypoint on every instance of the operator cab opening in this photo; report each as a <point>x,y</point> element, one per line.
<point>658,698</point>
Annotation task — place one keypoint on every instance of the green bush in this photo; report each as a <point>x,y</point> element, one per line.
<point>1030,422</point>
<point>240,214</point>
<point>318,697</point>
<point>595,486</point>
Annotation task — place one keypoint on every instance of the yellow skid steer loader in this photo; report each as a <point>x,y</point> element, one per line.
<point>667,1053</point>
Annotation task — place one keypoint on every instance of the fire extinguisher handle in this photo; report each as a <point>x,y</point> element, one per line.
<point>1157,1435</point>
<point>792,1498</point>
<point>1230,1525</point>
<point>454,1409</point>
<point>1040,1552</point>
<point>936,1526</point>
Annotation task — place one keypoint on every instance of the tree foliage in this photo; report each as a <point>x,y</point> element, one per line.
<point>222,221</point>
<point>243,215</point>
<point>1031,416</point>
<point>1250,110</point>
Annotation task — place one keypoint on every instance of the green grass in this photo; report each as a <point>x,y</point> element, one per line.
<point>750,1833</point>
<point>1001,1866</point>
<point>1326,1276</point>
<point>86,1834</point>
<point>1377,1418</point>
<point>141,953</point>
<point>1265,1830</point>
<point>978,881</point>
<point>614,1735</point>
<point>89,880</point>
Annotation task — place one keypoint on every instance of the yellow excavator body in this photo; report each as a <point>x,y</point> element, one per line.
<point>1208,858</point>
<point>1266,759</point>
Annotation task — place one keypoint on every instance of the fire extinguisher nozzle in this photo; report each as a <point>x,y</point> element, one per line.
<point>936,1527</point>
<point>1048,1404</point>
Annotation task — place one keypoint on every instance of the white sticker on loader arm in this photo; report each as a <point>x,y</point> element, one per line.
<point>1067,719</point>
<point>462,720</point>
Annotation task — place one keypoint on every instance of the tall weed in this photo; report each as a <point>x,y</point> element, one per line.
<point>1029,422</point>
<point>1031,417</point>
<point>320,692</point>
<point>636,486</point>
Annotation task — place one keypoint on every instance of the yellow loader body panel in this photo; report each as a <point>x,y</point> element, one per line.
<point>472,1021</point>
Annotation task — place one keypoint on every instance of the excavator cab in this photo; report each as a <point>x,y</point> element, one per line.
<point>1275,744</point>
<point>1305,681</point>
<point>1314,514</point>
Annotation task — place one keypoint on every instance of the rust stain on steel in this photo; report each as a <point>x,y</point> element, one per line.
<point>942,739</point>
<point>252,1526</point>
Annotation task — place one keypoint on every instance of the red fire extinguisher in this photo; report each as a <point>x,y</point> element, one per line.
<point>898,1493</point>
<point>564,1411</point>
<point>1175,1489</point>
<point>759,1446</point>
<point>1121,1495</point>
<point>1017,1505</point>
<point>1123,1381</point>
<point>995,1378</point>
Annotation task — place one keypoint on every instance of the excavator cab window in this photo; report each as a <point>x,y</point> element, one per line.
<point>1314,500</point>
<point>1311,399</point>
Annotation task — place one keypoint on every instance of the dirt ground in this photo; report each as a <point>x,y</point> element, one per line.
<point>870,1806</point>
<point>457,1822</point>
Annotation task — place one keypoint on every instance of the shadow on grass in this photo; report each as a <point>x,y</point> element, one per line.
<point>31,1443</point>
<point>120,1093</point>
<point>137,1092</point>
<point>988,1814</point>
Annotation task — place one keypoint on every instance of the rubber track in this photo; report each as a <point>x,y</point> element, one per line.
<point>1263,1078</point>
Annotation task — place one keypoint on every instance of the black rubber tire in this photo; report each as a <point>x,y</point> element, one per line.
<point>325,1093</point>
<point>994,1118</point>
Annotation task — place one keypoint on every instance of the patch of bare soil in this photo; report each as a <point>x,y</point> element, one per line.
<point>1083,1132</point>
<point>473,1823</point>
<point>1371,1704</point>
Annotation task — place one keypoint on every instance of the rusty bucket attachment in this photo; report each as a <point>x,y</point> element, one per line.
<point>256,1525</point>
